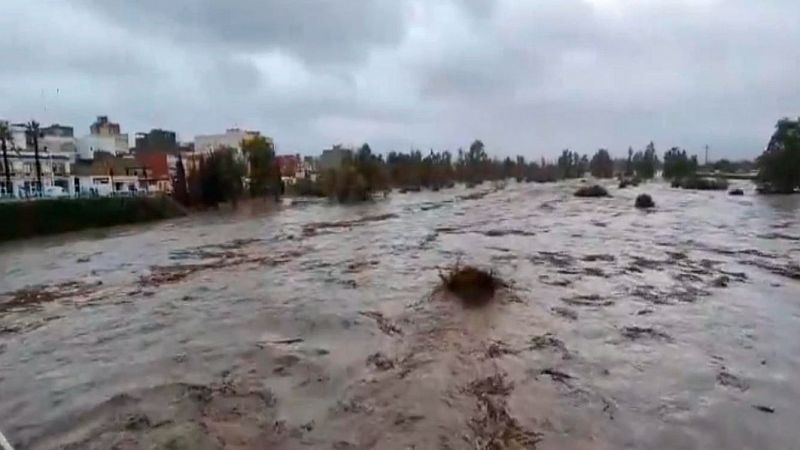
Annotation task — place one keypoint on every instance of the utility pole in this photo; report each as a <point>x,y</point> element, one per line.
<point>707,147</point>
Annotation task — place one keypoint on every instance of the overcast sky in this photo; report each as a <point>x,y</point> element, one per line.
<point>527,77</point>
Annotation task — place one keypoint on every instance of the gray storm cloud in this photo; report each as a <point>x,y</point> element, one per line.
<point>527,78</point>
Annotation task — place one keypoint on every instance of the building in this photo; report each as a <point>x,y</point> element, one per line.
<point>19,138</point>
<point>58,138</point>
<point>105,136</point>
<point>156,140</point>
<point>55,171</point>
<point>160,170</point>
<point>109,174</point>
<point>289,164</point>
<point>332,158</point>
<point>295,167</point>
<point>232,138</point>
<point>103,127</point>
<point>87,146</point>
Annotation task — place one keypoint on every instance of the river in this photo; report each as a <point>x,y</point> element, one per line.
<point>320,326</point>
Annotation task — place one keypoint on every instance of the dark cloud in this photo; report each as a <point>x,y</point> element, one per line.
<point>315,31</point>
<point>528,77</point>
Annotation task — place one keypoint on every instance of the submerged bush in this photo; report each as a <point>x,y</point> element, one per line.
<point>703,184</point>
<point>645,201</point>
<point>625,182</point>
<point>736,192</point>
<point>474,287</point>
<point>592,191</point>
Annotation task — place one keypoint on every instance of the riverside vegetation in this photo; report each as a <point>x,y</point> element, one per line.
<point>220,178</point>
<point>217,178</point>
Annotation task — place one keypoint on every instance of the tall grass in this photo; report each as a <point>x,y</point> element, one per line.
<point>42,217</point>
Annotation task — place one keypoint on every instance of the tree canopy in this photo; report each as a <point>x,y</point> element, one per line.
<point>677,164</point>
<point>601,165</point>
<point>779,165</point>
<point>264,173</point>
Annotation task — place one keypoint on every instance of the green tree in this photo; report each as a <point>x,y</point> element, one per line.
<point>477,162</point>
<point>5,137</point>
<point>179,187</point>
<point>629,163</point>
<point>779,165</point>
<point>221,177</point>
<point>601,165</point>
<point>677,164</point>
<point>583,165</point>
<point>572,165</point>
<point>264,177</point>
<point>32,134</point>
<point>646,163</point>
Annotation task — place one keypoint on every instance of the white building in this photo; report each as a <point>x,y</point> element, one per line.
<point>55,171</point>
<point>232,138</point>
<point>87,146</point>
<point>105,136</point>
<point>108,174</point>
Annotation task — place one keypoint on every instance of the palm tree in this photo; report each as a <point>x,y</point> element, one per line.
<point>32,130</point>
<point>5,136</point>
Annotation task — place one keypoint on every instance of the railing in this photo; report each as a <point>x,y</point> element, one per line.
<point>33,196</point>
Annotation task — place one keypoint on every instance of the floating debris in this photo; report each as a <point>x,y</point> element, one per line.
<point>635,333</point>
<point>474,287</point>
<point>728,379</point>
<point>587,300</point>
<point>384,324</point>
<point>380,361</point>
<point>592,191</point>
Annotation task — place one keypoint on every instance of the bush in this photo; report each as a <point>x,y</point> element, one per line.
<point>592,191</point>
<point>625,182</point>
<point>306,188</point>
<point>645,201</point>
<point>473,286</point>
<point>736,192</point>
<point>43,217</point>
<point>703,184</point>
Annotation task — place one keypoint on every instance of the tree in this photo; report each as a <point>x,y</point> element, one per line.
<point>572,165</point>
<point>263,174</point>
<point>779,165</point>
<point>678,165</point>
<point>583,165</point>
<point>477,162</point>
<point>32,134</point>
<point>220,177</point>
<point>5,137</point>
<point>629,163</point>
<point>179,187</point>
<point>645,163</point>
<point>601,165</point>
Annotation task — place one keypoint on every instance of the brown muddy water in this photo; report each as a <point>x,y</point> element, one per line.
<point>318,326</point>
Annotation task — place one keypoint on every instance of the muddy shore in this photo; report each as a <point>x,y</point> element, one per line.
<point>320,326</point>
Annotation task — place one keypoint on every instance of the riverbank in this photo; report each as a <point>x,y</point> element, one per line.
<point>26,219</point>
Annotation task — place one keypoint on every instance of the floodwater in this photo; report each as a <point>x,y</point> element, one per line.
<point>319,326</point>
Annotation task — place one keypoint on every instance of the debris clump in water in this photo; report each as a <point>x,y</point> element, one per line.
<point>474,287</point>
<point>644,201</point>
<point>592,191</point>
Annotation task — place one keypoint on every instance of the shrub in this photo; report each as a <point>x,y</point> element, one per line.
<point>42,217</point>
<point>474,287</point>
<point>645,201</point>
<point>703,184</point>
<point>736,192</point>
<point>592,191</point>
